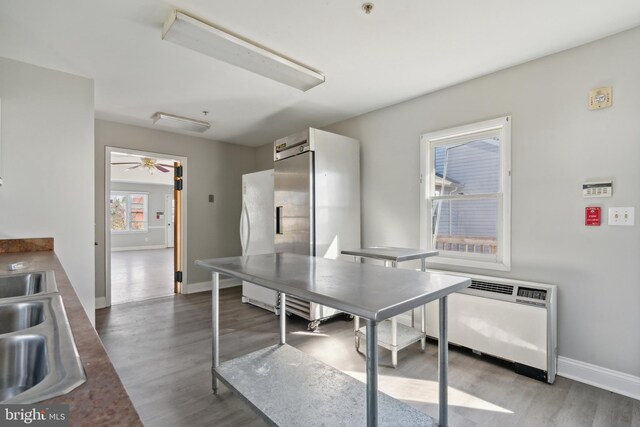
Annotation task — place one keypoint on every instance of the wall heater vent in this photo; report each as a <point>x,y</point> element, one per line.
<point>510,319</point>
<point>492,287</point>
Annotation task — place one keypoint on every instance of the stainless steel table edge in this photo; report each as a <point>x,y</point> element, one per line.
<point>384,257</point>
<point>377,316</point>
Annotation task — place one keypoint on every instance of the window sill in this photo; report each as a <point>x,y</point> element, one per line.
<point>129,232</point>
<point>460,262</point>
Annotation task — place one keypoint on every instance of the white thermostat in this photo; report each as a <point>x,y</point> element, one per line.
<point>597,189</point>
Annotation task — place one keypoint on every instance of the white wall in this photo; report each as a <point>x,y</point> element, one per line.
<point>264,157</point>
<point>47,166</point>
<point>557,144</point>
<point>212,168</point>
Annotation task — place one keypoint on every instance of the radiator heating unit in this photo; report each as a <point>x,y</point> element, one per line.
<point>509,319</point>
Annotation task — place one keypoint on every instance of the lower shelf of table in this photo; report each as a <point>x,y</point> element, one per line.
<point>290,388</point>
<point>406,335</point>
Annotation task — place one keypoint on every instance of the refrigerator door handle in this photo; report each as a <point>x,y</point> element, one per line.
<point>279,220</point>
<point>244,240</point>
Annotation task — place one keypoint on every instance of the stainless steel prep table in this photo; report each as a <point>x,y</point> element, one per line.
<point>391,335</point>
<point>359,289</point>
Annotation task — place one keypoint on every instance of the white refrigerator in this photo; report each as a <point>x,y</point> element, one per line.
<point>256,232</point>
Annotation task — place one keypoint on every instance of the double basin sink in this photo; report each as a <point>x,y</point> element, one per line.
<point>38,357</point>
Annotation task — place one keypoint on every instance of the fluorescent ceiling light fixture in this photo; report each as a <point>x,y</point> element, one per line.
<point>205,38</point>
<point>178,122</point>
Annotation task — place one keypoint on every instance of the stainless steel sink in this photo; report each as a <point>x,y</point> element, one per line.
<point>20,315</point>
<point>38,357</point>
<point>24,364</point>
<point>27,283</point>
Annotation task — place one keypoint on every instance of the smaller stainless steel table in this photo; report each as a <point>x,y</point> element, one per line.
<point>391,335</point>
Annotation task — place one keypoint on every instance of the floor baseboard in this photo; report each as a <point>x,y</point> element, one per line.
<point>597,376</point>
<point>189,288</point>
<point>101,302</point>
<point>137,248</point>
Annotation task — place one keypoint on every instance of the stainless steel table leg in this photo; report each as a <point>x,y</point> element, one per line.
<point>356,319</point>
<point>394,332</point>
<point>443,357</point>
<point>283,318</point>
<point>394,341</point>
<point>215,331</point>
<point>423,310</point>
<point>423,327</point>
<point>356,326</point>
<point>372,373</point>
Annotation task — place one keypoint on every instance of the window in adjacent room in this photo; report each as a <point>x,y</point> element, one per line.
<point>466,194</point>
<point>128,212</point>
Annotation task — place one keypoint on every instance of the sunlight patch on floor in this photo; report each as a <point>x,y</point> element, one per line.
<point>410,389</point>
<point>309,334</point>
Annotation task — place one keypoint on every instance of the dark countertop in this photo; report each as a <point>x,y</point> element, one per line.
<point>102,399</point>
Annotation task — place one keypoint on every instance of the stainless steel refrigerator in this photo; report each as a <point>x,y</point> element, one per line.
<point>256,232</point>
<point>317,202</point>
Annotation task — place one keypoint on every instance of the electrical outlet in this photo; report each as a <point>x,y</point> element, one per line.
<point>622,216</point>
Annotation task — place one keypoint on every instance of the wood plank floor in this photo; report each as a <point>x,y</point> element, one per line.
<point>141,275</point>
<point>161,349</point>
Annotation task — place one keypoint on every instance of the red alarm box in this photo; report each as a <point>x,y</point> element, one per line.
<point>592,215</point>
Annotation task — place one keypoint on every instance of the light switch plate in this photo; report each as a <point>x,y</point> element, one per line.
<point>622,216</point>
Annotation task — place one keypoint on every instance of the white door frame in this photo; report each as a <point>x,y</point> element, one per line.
<point>107,195</point>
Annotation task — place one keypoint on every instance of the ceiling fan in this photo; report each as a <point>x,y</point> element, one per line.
<point>147,163</point>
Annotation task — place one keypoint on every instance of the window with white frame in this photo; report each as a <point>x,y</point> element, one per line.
<point>128,212</point>
<point>466,194</point>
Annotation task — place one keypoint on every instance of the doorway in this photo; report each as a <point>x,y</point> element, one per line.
<point>141,250</point>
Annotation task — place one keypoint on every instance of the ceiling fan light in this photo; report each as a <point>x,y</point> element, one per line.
<point>210,40</point>
<point>179,122</point>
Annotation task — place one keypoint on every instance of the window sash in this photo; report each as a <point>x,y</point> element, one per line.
<point>125,203</point>
<point>433,144</point>
<point>136,203</point>
<point>467,196</point>
<point>497,257</point>
<point>464,137</point>
<point>500,128</point>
